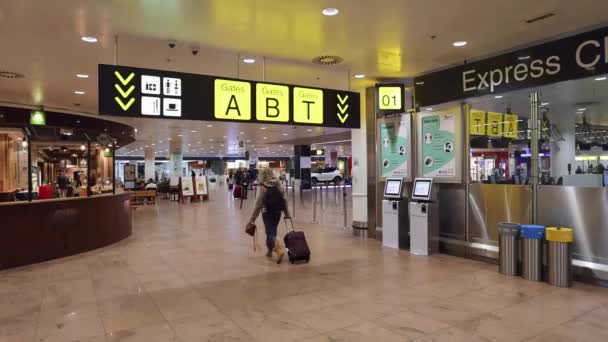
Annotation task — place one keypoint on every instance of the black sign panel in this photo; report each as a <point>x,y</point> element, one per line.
<point>575,57</point>
<point>146,93</point>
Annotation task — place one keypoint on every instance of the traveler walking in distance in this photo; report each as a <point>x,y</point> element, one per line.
<point>271,203</point>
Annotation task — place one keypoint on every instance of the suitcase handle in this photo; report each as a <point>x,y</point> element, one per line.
<point>293,229</point>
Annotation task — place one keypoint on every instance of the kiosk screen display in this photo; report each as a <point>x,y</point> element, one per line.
<point>393,187</point>
<point>422,188</point>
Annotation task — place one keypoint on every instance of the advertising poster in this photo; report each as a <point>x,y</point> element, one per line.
<point>187,187</point>
<point>201,185</point>
<point>395,146</point>
<point>438,145</point>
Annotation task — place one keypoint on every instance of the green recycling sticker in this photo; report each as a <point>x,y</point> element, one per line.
<point>438,146</point>
<point>395,142</point>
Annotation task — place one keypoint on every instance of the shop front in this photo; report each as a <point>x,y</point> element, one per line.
<point>59,194</point>
<point>534,127</point>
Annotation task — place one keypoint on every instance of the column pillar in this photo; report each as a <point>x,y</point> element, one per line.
<point>359,170</point>
<point>149,157</point>
<point>302,163</point>
<point>333,159</point>
<point>175,148</point>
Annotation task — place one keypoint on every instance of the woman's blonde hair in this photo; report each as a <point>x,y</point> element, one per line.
<point>265,174</point>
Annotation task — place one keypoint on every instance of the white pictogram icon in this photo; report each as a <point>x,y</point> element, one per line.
<point>172,86</point>
<point>150,84</point>
<point>172,107</point>
<point>150,105</point>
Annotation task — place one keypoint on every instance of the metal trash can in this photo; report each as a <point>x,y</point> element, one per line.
<point>532,236</point>
<point>508,250</point>
<point>559,256</point>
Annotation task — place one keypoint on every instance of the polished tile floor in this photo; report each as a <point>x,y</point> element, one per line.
<point>189,273</point>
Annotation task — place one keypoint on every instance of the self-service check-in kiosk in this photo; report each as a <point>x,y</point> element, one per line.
<point>424,218</point>
<point>394,215</point>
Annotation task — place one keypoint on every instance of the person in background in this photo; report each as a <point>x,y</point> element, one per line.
<point>271,202</point>
<point>151,185</point>
<point>62,184</point>
<point>245,183</point>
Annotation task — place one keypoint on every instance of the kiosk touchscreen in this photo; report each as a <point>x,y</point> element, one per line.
<point>392,188</point>
<point>422,189</point>
<point>394,215</point>
<point>424,218</point>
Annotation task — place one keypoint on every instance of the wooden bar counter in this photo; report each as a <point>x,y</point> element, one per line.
<point>41,230</point>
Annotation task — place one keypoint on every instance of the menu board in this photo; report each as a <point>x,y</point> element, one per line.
<point>439,145</point>
<point>395,145</point>
<point>187,186</point>
<point>129,176</point>
<point>201,185</point>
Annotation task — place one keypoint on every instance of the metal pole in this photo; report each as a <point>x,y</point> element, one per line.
<point>114,168</point>
<point>293,199</point>
<point>302,196</point>
<point>238,65</point>
<point>467,174</point>
<point>88,168</point>
<point>115,49</point>
<point>344,206</point>
<point>30,186</point>
<point>264,69</point>
<point>314,205</point>
<point>534,151</point>
<point>321,195</point>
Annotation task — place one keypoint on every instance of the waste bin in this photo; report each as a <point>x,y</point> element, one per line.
<point>532,236</point>
<point>508,250</point>
<point>559,256</point>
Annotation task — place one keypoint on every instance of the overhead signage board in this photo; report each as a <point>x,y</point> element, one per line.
<point>390,98</point>
<point>574,57</point>
<point>146,93</point>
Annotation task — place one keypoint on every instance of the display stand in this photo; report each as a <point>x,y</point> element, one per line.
<point>186,189</point>
<point>201,188</point>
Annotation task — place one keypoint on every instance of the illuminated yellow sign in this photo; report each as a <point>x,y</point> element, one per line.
<point>272,102</point>
<point>232,100</point>
<point>511,126</point>
<point>390,98</point>
<point>307,105</point>
<point>494,124</point>
<point>477,123</point>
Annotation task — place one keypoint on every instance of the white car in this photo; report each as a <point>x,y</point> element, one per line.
<point>326,175</point>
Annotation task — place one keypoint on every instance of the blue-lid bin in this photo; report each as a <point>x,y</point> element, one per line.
<point>532,231</point>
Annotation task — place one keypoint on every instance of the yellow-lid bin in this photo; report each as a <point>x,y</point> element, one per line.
<point>559,234</point>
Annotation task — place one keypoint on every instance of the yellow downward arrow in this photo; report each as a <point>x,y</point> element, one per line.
<point>122,80</point>
<point>122,105</point>
<point>342,100</point>
<point>342,109</point>
<point>343,118</point>
<point>124,94</point>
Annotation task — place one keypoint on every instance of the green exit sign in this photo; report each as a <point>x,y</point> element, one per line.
<point>38,118</point>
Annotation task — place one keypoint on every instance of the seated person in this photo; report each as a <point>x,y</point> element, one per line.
<point>151,185</point>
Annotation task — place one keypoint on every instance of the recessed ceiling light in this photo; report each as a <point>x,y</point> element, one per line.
<point>359,76</point>
<point>330,11</point>
<point>242,133</point>
<point>248,60</point>
<point>309,130</point>
<point>82,75</point>
<point>419,83</point>
<point>460,43</point>
<point>79,92</point>
<point>265,138</point>
<point>428,109</point>
<point>209,126</point>
<point>193,131</point>
<point>602,78</point>
<point>285,134</point>
<point>210,139</point>
<point>498,97</point>
<point>523,58</point>
<point>89,39</point>
<point>180,135</point>
<point>582,109</point>
<point>544,104</point>
<point>263,128</point>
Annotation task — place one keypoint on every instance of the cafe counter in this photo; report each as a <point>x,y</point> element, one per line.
<point>41,230</point>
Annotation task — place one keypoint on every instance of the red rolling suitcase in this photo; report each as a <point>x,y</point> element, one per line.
<point>237,191</point>
<point>297,247</point>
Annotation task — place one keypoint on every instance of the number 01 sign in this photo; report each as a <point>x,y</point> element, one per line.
<point>390,98</point>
